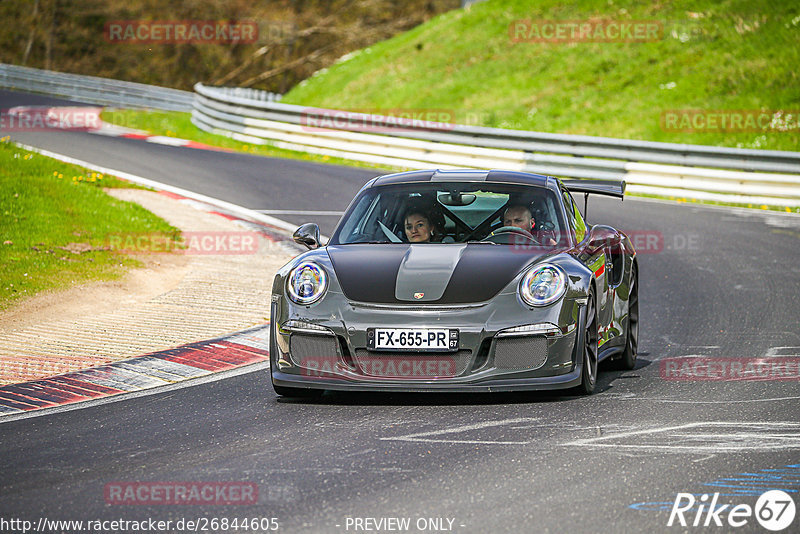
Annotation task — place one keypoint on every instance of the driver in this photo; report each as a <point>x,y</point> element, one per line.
<point>520,215</point>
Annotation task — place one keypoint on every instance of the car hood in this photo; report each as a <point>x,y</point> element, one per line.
<point>431,272</point>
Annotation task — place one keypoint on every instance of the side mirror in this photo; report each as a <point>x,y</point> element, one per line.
<point>602,236</point>
<point>307,235</point>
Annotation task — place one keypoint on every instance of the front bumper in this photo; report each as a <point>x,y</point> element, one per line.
<point>567,381</point>
<point>325,347</point>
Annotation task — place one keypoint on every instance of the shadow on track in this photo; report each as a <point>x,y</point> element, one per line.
<point>605,380</point>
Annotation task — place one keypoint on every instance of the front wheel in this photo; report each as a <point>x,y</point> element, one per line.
<point>589,349</point>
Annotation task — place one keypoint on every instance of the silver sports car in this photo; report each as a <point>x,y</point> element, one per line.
<point>457,281</point>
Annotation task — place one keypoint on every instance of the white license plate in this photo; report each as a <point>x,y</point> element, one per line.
<point>416,339</point>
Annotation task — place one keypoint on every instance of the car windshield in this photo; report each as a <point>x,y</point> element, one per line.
<point>451,213</point>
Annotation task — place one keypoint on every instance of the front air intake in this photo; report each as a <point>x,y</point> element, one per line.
<point>524,353</point>
<point>412,365</point>
<point>313,351</point>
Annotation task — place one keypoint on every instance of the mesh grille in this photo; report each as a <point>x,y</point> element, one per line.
<point>312,351</point>
<point>410,365</point>
<point>520,353</point>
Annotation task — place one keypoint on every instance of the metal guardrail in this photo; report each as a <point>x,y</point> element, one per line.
<point>94,90</point>
<point>248,93</point>
<point>691,171</point>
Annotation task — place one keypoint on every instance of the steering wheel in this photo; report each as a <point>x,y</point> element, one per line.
<point>515,230</point>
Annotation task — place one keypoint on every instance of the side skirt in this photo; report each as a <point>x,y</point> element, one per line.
<point>609,352</point>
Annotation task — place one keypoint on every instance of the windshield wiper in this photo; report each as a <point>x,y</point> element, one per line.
<point>481,243</point>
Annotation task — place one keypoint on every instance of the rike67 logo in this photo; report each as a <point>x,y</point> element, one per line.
<point>774,510</point>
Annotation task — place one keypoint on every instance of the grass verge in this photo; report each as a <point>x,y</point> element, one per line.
<point>686,200</point>
<point>55,224</point>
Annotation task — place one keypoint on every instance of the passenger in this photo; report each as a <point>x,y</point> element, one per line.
<point>418,227</point>
<point>520,215</point>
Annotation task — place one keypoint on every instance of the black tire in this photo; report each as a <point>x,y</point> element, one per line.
<point>589,349</point>
<point>628,359</point>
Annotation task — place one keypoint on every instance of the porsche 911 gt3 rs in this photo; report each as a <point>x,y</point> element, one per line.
<point>484,303</point>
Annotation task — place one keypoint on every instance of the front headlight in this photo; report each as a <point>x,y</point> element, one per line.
<point>543,285</point>
<point>307,283</point>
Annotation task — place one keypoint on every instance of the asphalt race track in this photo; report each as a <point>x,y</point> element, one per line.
<point>715,283</point>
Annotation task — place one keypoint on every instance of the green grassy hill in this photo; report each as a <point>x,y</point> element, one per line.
<point>711,55</point>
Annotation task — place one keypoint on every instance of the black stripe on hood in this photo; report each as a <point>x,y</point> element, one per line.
<point>370,272</point>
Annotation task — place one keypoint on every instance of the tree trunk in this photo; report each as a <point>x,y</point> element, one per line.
<point>34,25</point>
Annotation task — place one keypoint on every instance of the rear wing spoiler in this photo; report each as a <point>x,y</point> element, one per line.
<point>613,188</point>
